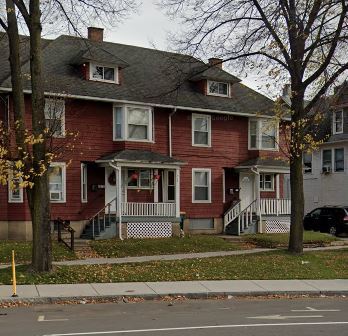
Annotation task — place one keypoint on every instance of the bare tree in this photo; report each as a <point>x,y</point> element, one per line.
<point>29,13</point>
<point>304,41</point>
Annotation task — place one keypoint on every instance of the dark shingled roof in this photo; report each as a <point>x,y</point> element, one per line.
<point>4,53</point>
<point>152,77</point>
<point>266,162</point>
<point>133,155</point>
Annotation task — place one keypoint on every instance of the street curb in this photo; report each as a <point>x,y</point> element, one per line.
<point>169,297</point>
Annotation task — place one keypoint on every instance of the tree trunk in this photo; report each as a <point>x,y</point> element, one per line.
<point>296,172</point>
<point>39,201</point>
<point>297,211</point>
<point>16,75</point>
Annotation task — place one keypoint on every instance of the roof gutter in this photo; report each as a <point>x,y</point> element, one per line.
<point>122,101</point>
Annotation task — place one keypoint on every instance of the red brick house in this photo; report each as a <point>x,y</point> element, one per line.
<point>160,135</point>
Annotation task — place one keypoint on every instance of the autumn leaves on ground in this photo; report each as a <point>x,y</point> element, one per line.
<point>277,264</point>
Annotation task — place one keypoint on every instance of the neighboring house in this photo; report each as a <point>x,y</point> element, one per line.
<point>326,170</point>
<point>162,137</point>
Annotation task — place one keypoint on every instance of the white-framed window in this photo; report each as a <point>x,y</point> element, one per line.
<point>307,162</point>
<point>221,89</point>
<point>201,130</point>
<point>55,116</point>
<point>339,159</point>
<point>99,72</point>
<point>263,134</point>
<point>15,192</point>
<point>57,182</point>
<point>133,123</point>
<point>140,179</point>
<point>327,160</point>
<point>84,185</point>
<point>337,125</point>
<point>170,177</point>
<point>267,182</point>
<point>201,185</point>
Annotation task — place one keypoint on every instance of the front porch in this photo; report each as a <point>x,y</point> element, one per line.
<point>140,187</point>
<point>262,202</point>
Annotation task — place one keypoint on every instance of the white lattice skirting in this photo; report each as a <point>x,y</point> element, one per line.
<point>149,230</point>
<point>277,225</point>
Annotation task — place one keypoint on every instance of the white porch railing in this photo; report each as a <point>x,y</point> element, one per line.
<point>273,206</point>
<point>148,209</point>
<point>232,213</point>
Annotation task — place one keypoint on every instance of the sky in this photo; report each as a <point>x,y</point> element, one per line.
<point>149,29</point>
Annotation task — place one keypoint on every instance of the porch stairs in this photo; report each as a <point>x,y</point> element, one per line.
<point>102,225</point>
<point>239,221</point>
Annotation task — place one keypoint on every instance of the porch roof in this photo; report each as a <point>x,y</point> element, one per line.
<point>264,163</point>
<point>140,156</point>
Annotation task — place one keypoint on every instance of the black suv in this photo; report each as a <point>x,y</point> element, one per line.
<point>331,219</point>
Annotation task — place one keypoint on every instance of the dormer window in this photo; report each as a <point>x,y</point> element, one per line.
<point>218,89</point>
<point>337,122</point>
<point>103,73</point>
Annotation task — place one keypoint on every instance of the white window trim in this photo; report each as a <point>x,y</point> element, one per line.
<point>259,136</point>
<point>10,195</point>
<point>334,122</point>
<point>263,186</point>
<point>116,81</point>
<point>208,117</point>
<point>304,167</point>
<point>84,168</point>
<point>205,170</point>
<point>62,118</point>
<point>218,94</point>
<point>333,160</point>
<point>124,126</point>
<point>138,186</point>
<point>63,165</point>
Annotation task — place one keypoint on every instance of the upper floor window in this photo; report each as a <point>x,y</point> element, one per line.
<point>103,73</point>
<point>218,89</point>
<point>57,184</point>
<point>201,130</point>
<point>55,116</point>
<point>133,123</point>
<point>337,122</point>
<point>263,134</point>
<point>307,163</point>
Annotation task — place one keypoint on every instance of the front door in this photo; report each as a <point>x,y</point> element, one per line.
<point>246,186</point>
<point>169,186</point>
<point>110,187</point>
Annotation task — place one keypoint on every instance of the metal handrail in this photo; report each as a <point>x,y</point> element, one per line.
<point>65,225</point>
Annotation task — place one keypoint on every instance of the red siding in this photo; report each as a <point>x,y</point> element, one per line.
<point>93,121</point>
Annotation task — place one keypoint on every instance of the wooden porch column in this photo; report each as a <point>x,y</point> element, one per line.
<point>258,200</point>
<point>277,186</point>
<point>177,192</point>
<point>155,187</point>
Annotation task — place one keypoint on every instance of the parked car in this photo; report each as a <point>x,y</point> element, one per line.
<point>331,219</point>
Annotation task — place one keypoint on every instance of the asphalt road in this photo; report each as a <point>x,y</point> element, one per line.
<point>247,317</point>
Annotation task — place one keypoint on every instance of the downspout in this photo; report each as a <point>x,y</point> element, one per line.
<point>118,198</point>
<point>258,201</point>
<point>170,131</point>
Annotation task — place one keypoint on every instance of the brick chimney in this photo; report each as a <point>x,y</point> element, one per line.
<point>217,62</point>
<point>95,34</point>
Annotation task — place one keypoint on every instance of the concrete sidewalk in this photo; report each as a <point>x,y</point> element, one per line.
<point>193,289</point>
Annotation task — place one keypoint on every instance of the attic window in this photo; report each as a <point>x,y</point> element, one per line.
<point>218,89</point>
<point>103,73</point>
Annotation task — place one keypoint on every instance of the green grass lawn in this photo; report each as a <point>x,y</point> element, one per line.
<point>273,240</point>
<point>115,248</point>
<point>23,252</point>
<point>277,264</point>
